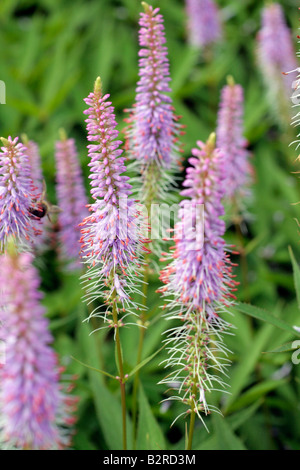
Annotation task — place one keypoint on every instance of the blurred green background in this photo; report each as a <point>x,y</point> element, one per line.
<point>51,53</point>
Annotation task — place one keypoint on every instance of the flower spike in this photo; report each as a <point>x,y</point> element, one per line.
<point>111,241</point>
<point>199,284</point>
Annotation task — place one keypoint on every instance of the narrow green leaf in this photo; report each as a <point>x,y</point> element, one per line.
<point>94,368</point>
<point>287,347</point>
<point>255,393</point>
<point>265,316</point>
<point>144,362</point>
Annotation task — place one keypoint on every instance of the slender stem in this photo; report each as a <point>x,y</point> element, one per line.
<point>121,371</point>
<point>244,263</point>
<point>143,320</point>
<point>191,430</point>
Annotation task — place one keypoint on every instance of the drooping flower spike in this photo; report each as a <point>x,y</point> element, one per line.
<point>111,239</point>
<point>276,57</point>
<point>231,140</point>
<point>203,22</point>
<point>153,128</point>
<point>35,411</point>
<point>71,199</point>
<point>16,194</point>
<point>199,283</point>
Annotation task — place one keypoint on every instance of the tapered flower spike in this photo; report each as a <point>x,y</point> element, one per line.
<point>204,24</point>
<point>16,194</point>
<point>153,129</point>
<point>35,412</point>
<point>276,56</point>
<point>199,284</point>
<point>231,140</point>
<point>111,240</point>
<point>71,198</point>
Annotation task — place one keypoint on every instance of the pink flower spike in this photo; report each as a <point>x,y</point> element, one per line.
<point>204,25</point>
<point>111,240</point>
<point>231,140</point>
<point>276,56</point>
<point>71,199</point>
<point>35,412</point>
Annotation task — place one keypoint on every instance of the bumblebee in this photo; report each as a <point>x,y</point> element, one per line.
<point>40,208</point>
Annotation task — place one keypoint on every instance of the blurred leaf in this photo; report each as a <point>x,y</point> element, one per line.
<point>242,371</point>
<point>149,436</point>
<point>296,271</point>
<point>226,439</point>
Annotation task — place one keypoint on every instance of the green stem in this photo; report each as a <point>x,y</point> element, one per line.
<point>191,429</point>
<point>244,263</point>
<point>143,320</point>
<point>121,371</point>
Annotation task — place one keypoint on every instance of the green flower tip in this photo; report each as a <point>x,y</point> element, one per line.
<point>230,80</point>
<point>11,248</point>
<point>98,86</point>
<point>211,142</point>
<point>146,7</point>
<point>62,134</point>
<point>4,141</point>
<point>24,138</point>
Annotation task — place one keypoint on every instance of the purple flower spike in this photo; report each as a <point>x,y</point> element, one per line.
<point>111,234</point>
<point>153,130</point>
<point>35,413</point>
<point>204,25</point>
<point>198,283</point>
<point>16,194</point>
<point>276,56</point>
<point>71,199</point>
<point>231,141</point>
<point>33,153</point>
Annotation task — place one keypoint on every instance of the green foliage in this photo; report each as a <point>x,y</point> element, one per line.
<point>52,51</point>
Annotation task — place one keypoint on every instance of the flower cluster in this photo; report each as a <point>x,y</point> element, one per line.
<point>71,199</point>
<point>199,282</point>
<point>35,413</point>
<point>111,235</point>
<point>204,25</point>
<point>231,141</point>
<point>275,58</point>
<point>16,194</point>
